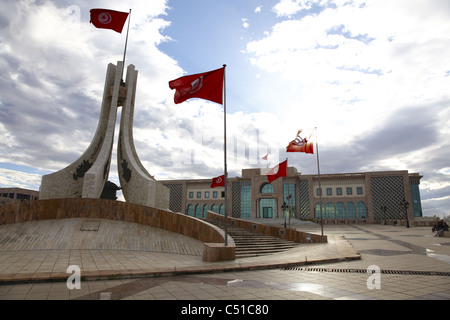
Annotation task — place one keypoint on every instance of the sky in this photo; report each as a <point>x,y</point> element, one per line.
<point>372,77</point>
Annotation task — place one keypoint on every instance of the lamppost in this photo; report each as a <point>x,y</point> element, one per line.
<point>284,208</point>
<point>405,205</point>
<point>289,199</point>
<point>384,209</point>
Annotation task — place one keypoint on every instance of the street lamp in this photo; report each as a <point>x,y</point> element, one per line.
<point>284,208</point>
<point>289,199</point>
<point>405,205</point>
<point>384,209</point>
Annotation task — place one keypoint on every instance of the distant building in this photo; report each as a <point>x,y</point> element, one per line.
<point>367,197</point>
<point>8,195</point>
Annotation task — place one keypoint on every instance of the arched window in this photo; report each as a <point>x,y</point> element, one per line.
<point>351,213</point>
<point>318,211</point>
<point>360,209</point>
<point>267,188</point>
<point>222,209</point>
<point>190,210</point>
<point>215,208</point>
<point>330,210</point>
<point>198,211</point>
<point>205,209</point>
<point>340,210</point>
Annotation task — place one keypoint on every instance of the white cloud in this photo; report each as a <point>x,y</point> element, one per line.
<point>371,75</point>
<point>290,7</point>
<point>344,61</point>
<point>245,24</point>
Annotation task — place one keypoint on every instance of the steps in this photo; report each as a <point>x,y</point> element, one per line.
<point>251,244</point>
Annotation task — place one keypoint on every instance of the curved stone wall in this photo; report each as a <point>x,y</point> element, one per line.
<point>113,210</point>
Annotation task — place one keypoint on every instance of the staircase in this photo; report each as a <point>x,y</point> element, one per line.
<point>251,244</point>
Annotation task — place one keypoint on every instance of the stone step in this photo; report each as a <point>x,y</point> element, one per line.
<point>250,244</point>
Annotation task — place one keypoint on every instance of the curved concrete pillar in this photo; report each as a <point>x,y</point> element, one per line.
<point>138,186</point>
<point>86,176</point>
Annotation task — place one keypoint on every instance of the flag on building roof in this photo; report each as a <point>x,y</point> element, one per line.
<point>108,19</point>
<point>280,170</point>
<point>218,181</point>
<point>207,85</point>
<point>300,144</point>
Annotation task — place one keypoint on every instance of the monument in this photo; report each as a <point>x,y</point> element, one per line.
<point>86,177</point>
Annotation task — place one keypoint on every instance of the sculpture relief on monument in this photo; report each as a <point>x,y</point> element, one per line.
<point>86,177</point>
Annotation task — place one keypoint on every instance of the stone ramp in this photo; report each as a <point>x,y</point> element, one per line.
<point>94,234</point>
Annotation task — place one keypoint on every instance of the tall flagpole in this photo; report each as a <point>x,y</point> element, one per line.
<point>320,187</point>
<point>126,43</point>
<point>225,152</point>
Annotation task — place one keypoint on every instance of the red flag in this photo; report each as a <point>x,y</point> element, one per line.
<point>207,85</point>
<point>108,19</point>
<point>278,171</point>
<point>218,181</point>
<point>300,144</point>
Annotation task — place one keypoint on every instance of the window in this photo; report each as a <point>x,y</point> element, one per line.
<point>329,192</point>
<point>360,210</point>
<point>246,200</point>
<point>205,209</point>
<point>340,210</point>
<point>329,210</point>
<point>190,209</point>
<point>339,191</point>
<point>222,194</point>
<point>349,191</point>
<point>267,188</point>
<point>359,190</point>
<point>198,211</point>
<point>206,194</point>
<point>214,194</point>
<point>191,195</point>
<point>351,212</point>
<point>318,191</point>
<point>199,195</point>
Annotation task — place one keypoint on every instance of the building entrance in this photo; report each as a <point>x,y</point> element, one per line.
<point>267,208</point>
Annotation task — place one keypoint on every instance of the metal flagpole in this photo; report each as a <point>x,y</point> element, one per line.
<point>225,152</point>
<point>126,43</point>
<point>320,187</point>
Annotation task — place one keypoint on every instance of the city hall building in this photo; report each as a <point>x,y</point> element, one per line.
<point>368,197</point>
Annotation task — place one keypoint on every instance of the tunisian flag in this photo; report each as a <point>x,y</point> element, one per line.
<point>207,85</point>
<point>278,171</point>
<point>108,19</point>
<point>300,144</point>
<point>218,181</point>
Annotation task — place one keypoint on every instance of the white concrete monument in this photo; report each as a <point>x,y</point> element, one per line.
<point>86,177</point>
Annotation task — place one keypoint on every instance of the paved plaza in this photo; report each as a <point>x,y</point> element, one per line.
<point>122,260</point>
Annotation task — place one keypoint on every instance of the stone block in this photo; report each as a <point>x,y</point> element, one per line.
<point>213,252</point>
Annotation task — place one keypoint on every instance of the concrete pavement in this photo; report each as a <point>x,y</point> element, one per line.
<point>124,259</point>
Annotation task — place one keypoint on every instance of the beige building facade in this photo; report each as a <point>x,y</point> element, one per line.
<point>10,195</point>
<point>367,197</point>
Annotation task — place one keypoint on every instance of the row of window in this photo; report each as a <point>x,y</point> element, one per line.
<point>206,194</point>
<point>18,196</point>
<point>199,211</point>
<point>349,190</point>
<point>342,211</point>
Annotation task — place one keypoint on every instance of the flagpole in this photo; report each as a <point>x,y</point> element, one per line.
<point>126,43</point>
<point>225,152</point>
<point>320,187</point>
